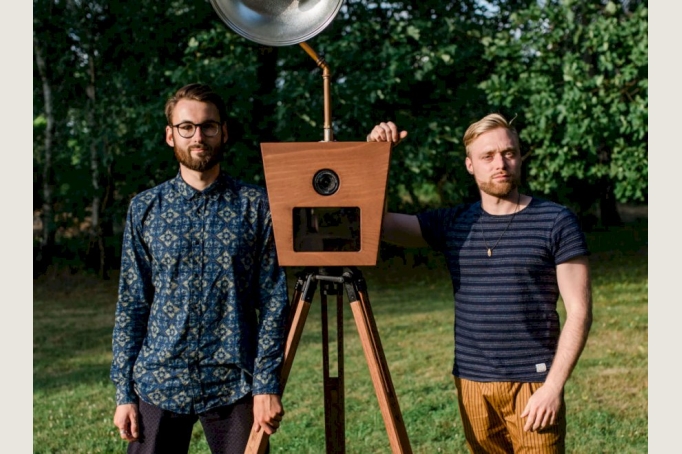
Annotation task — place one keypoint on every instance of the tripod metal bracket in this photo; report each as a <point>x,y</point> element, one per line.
<point>308,288</point>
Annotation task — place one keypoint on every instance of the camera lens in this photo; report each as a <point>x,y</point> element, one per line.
<point>326,182</point>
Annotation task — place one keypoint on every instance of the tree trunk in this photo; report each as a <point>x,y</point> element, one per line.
<point>46,248</point>
<point>96,253</point>
<point>264,107</point>
<point>608,209</point>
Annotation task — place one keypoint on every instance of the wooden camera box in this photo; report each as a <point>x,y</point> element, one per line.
<point>327,200</point>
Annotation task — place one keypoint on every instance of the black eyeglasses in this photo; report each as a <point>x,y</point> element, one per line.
<point>187,129</point>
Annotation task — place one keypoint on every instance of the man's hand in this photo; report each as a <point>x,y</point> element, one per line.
<point>542,408</point>
<point>267,413</point>
<point>386,132</point>
<point>125,418</point>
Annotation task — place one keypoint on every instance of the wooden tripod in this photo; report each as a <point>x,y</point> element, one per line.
<point>333,280</point>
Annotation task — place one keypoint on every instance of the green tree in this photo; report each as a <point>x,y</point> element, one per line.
<point>51,94</point>
<point>575,73</point>
<point>245,75</point>
<point>103,71</point>
<point>416,63</point>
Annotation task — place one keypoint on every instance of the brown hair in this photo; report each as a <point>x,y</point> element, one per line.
<point>196,92</point>
<point>488,123</point>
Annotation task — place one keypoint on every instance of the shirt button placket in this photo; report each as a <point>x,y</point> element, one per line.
<point>195,302</point>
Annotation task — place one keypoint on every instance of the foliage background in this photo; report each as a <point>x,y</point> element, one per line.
<point>573,75</point>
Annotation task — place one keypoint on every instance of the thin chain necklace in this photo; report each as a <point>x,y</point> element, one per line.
<point>490,249</point>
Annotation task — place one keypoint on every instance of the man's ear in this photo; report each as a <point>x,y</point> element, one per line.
<point>224,132</point>
<point>469,165</point>
<point>169,136</point>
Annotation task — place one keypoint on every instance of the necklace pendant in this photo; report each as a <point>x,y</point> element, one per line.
<point>490,252</point>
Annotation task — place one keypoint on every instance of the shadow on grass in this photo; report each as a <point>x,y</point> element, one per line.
<point>73,314</point>
<point>63,357</point>
<point>72,325</point>
<point>83,374</point>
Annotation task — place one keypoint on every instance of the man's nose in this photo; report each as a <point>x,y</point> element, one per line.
<point>198,134</point>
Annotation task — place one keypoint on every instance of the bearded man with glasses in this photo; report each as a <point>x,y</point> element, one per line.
<point>201,314</point>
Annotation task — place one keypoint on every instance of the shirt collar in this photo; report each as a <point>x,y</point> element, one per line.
<point>222,183</point>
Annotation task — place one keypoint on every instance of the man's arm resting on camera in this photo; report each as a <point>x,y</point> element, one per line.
<point>402,229</point>
<point>386,132</point>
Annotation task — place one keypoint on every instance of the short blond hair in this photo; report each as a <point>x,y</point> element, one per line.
<point>485,124</point>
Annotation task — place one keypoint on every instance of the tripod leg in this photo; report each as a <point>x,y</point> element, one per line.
<point>258,441</point>
<point>335,424</point>
<point>378,368</point>
<point>295,300</point>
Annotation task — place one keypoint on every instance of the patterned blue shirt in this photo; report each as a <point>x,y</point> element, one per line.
<point>202,305</point>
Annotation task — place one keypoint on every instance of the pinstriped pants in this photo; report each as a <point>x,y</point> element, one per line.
<point>491,417</point>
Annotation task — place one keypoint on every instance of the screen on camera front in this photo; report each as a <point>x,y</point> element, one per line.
<point>326,229</point>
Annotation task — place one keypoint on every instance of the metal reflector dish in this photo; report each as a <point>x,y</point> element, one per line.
<point>277,22</point>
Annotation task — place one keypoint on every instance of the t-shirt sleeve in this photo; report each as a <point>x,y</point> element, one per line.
<point>568,239</point>
<point>435,225</point>
<point>429,221</point>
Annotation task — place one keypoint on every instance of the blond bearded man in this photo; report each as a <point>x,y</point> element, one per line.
<point>510,257</point>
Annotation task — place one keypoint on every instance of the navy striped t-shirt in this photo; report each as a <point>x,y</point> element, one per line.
<point>506,323</point>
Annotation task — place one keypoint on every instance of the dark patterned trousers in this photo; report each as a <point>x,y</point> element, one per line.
<point>226,428</point>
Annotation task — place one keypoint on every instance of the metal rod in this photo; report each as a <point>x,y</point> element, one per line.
<point>326,79</point>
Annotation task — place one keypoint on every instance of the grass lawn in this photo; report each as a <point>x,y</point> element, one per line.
<point>607,396</point>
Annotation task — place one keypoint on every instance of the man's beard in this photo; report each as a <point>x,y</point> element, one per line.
<point>211,157</point>
<point>499,189</point>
